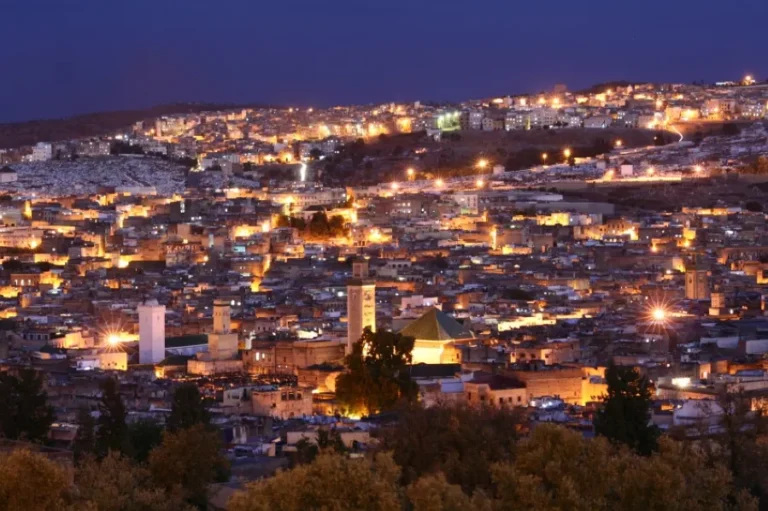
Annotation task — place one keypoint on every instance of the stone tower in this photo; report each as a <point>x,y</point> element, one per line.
<point>361,303</point>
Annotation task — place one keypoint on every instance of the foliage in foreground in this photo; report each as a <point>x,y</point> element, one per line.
<point>377,378</point>
<point>555,469</point>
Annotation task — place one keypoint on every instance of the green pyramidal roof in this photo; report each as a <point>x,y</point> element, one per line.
<point>435,325</point>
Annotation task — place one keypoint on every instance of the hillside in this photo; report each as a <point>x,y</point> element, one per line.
<point>89,125</point>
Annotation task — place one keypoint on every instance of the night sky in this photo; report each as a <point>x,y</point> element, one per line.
<point>63,57</point>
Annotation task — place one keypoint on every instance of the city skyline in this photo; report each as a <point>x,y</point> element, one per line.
<point>81,57</point>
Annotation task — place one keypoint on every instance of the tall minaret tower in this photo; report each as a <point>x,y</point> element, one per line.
<point>222,343</point>
<point>361,303</point>
<point>151,332</point>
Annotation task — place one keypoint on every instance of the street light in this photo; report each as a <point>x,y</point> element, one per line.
<point>479,183</point>
<point>619,143</point>
<point>567,153</point>
<point>544,157</point>
<point>651,171</point>
<point>697,169</point>
<point>482,163</point>
<point>439,183</point>
<point>395,186</point>
<point>410,171</point>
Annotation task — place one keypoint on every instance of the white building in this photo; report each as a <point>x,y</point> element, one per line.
<point>8,175</point>
<point>151,332</point>
<point>598,121</point>
<point>43,151</point>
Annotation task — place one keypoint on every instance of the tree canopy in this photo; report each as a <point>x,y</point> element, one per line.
<point>625,413</point>
<point>24,410</point>
<point>332,481</point>
<point>555,469</point>
<point>377,378</point>
<point>112,431</point>
<point>189,460</point>
<point>188,408</point>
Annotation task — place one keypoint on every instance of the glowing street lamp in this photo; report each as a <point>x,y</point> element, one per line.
<point>439,182</point>
<point>410,172</point>
<point>651,171</point>
<point>659,314</point>
<point>619,143</point>
<point>567,153</point>
<point>544,157</point>
<point>479,183</point>
<point>482,163</point>
<point>113,339</point>
<point>697,169</point>
<point>394,186</point>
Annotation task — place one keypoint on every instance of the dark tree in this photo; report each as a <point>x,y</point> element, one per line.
<point>377,377</point>
<point>307,451</point>
<point>315,153</point>
<point>85,439</point>
<point>731,129</point>
<point>516,293</point>
<point>318,225</point>
<point>625,414</point>
<point>441,262</point>
<point>143,436</point>
<point>188,408</point>
<point>112,431</point>
<point>336,226</point>
<point>462,442</point>
<point>753,206</point>
<point>24,410</point>
<point>190,460</point>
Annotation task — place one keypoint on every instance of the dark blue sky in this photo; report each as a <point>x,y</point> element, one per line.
<point>63,57</point>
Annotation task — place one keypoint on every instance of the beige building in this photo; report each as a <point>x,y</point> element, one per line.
<point>495,390</point>
<point>696,285</point>
<point>436,335</point>
<point>361,303</point>
<point>282,402</point>
<point>222,347</point>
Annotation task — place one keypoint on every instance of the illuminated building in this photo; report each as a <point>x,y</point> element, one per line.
<point>696,284</point>
<point>151,332</point>
<point>361,303</point>
<point>222,346</point>
<point>436,337</point>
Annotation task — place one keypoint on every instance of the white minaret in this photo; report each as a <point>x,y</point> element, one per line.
<point>361,303</point>
<point>151,332</point>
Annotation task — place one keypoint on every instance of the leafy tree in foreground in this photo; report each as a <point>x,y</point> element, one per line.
<point>188,408</point>
<point>31,481</point>
<point>143,436</point>
<point>116,483</point>
<point>377,378</point>
<point>189,459</point>
<point>625,413</point>
<point>462,442</point>
<point>558,469</point>
<point>24,410</point>
<point>555,469</point>
<point>332,481</point>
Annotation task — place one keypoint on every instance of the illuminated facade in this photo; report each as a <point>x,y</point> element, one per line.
<point>151,332</point>
<point>361,303</point>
